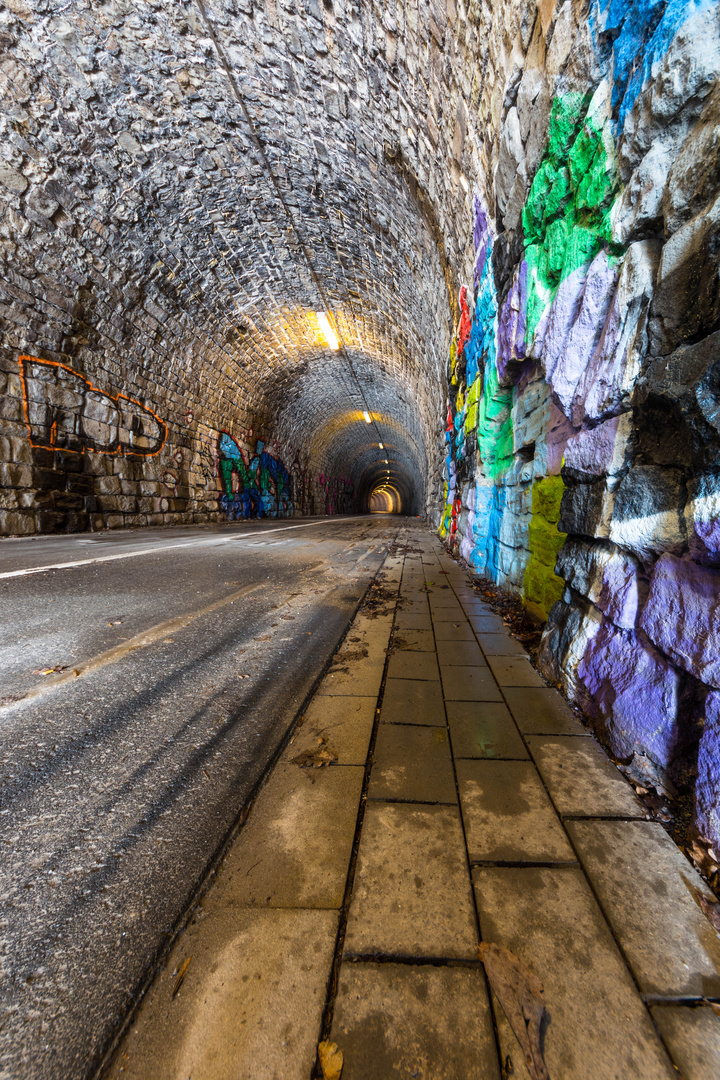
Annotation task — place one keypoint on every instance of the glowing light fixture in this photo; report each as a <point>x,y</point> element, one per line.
<point>386,461</point>
<point>368,418</point>
<point>327,329</point>
<point>381,446</point>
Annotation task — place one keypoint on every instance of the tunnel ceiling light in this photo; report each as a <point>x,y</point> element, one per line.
<point>381,446</point>
<point>368,418</point>
<point>326,326</point>
<point>386,461</point>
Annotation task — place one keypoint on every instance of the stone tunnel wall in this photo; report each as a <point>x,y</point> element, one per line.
<point>543,177</point>
<point>583,413</point>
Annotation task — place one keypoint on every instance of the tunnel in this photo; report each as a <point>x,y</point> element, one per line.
<point>454,261</point>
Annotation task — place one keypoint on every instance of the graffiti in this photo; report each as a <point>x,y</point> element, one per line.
<point>338,494</point>
<point>256,484</point>
<point>64,411</point>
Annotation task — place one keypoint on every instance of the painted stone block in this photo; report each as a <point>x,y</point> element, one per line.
<point>702,517</point>
<point>585,510</point>
<point>634,692</point>
<point>707,789</point>
<point>610,578</point>
<point>599,451</point>
<point>647,512</point>
<point>682,616</point>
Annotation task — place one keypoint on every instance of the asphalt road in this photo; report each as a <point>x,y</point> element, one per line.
<point>146,680</point>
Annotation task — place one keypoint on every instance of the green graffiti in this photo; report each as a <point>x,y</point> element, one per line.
<point>541,585</point>
<point>495,440</point>
<point>566,218</point>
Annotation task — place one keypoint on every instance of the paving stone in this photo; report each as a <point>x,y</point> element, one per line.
<point>412,763</point>
<point>346,723</point>
<point>459,630</point>
<point>406,1021</point>
<point>294,850</point>
<point>441,599</point>
<point>598,1026</point>
<point>582,781</point>
<point>360,678</point>
<point>413,665</point>
<point>692,1035</point>
<point>250,1005</point>
<point>414,641</point>
<point>508,816</point>
<point>487,624</point>
<point>542,711</point>
<point>469,684</point>
<point>478,609</point>
<point>447,615</point>
<point>411,894</point>
<point>483,729</point>
<point>514,671</point>
<point>500,645</point>
<point>409,620</point>
<point>458,653</point>
<point>643,883</point>
<point>409,701</point>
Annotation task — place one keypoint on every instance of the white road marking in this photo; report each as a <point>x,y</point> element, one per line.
<point>162,547</point>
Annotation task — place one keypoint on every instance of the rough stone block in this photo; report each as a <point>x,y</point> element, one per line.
<point>682,616</point>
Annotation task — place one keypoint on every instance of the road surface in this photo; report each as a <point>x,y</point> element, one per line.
<point>146,680</point>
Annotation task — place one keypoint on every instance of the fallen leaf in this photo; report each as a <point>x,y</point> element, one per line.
<point>642,771</point>
<point>243,676</point>
<point>50,670</point>
<point>331,1060</point>
<point>520,994</point>
<point>168,640</point>
<point>709,908</point>
<point>315,759</point>
<point>265,637</point>
<point>181,975</point>
<point>704,857</point>
<point>715,1008</point>
<point>290,618</point>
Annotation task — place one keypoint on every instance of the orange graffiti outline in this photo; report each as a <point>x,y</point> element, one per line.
<point>116,398</point>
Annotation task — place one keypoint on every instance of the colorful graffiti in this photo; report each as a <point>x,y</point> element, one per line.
<point>64,411</point>
<point>580,450</point>
<point>255,484</point>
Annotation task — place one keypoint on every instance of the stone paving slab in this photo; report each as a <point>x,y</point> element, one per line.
<point>542,711</point>
<point>500,645</point>
<point>692,1035</point>
<point>413,665</point>
<point>410,620</point>
<point>508,816</point>
<point>412,763</point>
<point>457,630</point>
<point>469,684</point>
<point>346,723</point>
<point>411,895</point>
<point>460,653</point>
<point>225,1021</point>
<point>357,679</point>
<point>599,1028</point>
<point>484,730</point>
<point>414,640</point>
<point>477,609</point>
<point>294,850</point>
<point>408,701</point>
<point>414,1021</point>
<point>514,671</point>
<point>486,624</point>
<point>439,599</point>
<point>447,615</point>
<point>643,883</point>
<point>582,781</point>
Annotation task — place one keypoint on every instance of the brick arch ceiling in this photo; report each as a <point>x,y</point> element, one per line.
<point>208,177</point>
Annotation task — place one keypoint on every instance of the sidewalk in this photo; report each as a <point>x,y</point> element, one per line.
<point>455,798</point>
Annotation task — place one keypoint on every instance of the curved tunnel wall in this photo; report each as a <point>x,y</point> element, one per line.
<point>509,214</point>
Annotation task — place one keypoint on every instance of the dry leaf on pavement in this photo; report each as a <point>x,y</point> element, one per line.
<point>520,994</point>
<point>181,976</point>
<point>315,759</point>
<point>709,908</point>
<point>331,1060</point>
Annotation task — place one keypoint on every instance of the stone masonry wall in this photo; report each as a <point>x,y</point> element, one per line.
<point>510,212</point>
<point>583,413</point>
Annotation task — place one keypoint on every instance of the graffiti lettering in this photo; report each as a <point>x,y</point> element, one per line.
<point>64,411</point>
<point>255,485</point>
